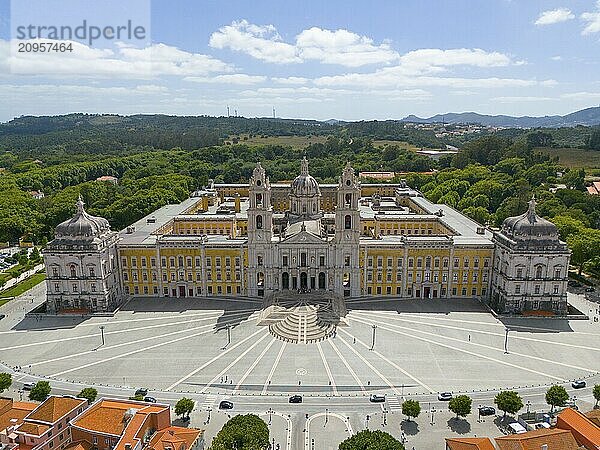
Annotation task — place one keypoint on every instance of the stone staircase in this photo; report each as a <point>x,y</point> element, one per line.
<point>302,318</point>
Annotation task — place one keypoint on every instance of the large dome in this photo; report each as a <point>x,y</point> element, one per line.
<point>82,225</point>
<point>529,226</point>
<point>304,185</point>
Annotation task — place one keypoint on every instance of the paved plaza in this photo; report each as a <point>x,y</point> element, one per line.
<point>212,350</point>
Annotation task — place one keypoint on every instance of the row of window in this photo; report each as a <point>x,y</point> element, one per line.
<point>182,261</point>
<point>182,291</point>
<point>73,271</point>
<point>539,271</point>
<point>428,276</point>
<point>183,276</point>
<point>537,289</point>
<point>428,262</point>
<point>426,292</point>
<point>74,287</point>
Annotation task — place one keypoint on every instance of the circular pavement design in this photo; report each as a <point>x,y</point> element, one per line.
<point>397,347</point>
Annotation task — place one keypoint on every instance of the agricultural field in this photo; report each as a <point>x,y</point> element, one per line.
<point>574,157</point>
<point>289,141</point>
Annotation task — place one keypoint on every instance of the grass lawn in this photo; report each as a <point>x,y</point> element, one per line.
<point>23,286</point>
<point>400,144</point>
<point>289,141</point>
<point>574,157</point>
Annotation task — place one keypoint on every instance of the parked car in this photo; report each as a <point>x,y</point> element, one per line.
<point>540,425</point>
<point>150,399</point>
<point>571,404</point>
<point>225,404</point>
<point>377,398</point>
<point>444,396</point>
<point>590,289</point>
<point>487,411</point>
<point>2,316</point>
<point>295,399</point>
<point>28,386</point>
<point>141,392</point>
<point>574,283</point>
<point>578,384</point>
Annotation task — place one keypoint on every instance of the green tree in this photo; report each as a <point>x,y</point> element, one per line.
<point>567,226</point>
<point>40,391</point>
<point>584,246</point>
<point>184,407</point>
<point>593,142</point>
<point>575,179</point>
<point>460,405</point>
<point>242,432</point>
<point>88,393</point>
<point>411,409</point>
<point>35,255</point>
<point>5,381</point>
<point>596,392</point>
<point>371,440</point>
<point>556,396</point>
<point>509,402</point>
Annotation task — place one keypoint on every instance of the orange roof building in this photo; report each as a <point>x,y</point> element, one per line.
<point>549,439</point>
<point>469,444</point>
<point>586,433</point>
<point>120,424</point>
<point>11,415</point>
<point>177,438</point>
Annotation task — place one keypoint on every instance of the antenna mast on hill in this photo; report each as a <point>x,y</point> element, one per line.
<point>227,110</point>
<point>273,112</point>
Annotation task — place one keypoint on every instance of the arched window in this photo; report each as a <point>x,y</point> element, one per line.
<point>73,271</point>
<point>347,222</point>
<point>285,280</point>
<point>348,199</point>
<point>321,280</point>
<point>346,280</point>
<point>259,222</point>
<point>538,271</point>
<point>180,260</point>
<point>260,279</point>
<point>259,199</point>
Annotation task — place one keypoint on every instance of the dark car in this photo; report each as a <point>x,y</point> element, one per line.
<point>150,399</point>
<point>377,398</point>
<point>225,404</point>
<point>578,384</point>
<point>590,289</point>
<point>445,396</point>
<point>574,283</point>
<point>28,386</point>
<point>487,411</point>
<point>295,399</point>
<point>141,392</point>
<point>2,316</point>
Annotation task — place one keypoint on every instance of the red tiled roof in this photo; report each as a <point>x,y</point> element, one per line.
<point>10,409</point>
<point>554,438</point>
<point>79,445</point>
<point>54,408</point>
<point>174,437</point>
<point>594,416</point>
<point>35,429</point>
<point>583,429</point>
<point>469,444</point>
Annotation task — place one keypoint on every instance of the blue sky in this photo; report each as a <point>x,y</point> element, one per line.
<point>311,59</point>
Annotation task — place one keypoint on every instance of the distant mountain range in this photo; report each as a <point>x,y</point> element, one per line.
<point>588,117</point>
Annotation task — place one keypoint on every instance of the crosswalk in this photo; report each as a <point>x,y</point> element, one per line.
<point>393,403</point>
<point>209,402</point>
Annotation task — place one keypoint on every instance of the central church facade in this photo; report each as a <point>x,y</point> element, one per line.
<point>349,239</point>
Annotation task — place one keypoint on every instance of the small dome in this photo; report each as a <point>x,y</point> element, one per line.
<point>530,226</point>
<point>304,185</point>
<point>82,225</point>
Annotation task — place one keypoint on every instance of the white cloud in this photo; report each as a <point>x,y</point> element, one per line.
<point>592,20</point>
<point>290,80</point>
<point>234,78</point>
<point>122,61</point>
<point>260,42</point>
<point>340,47</point>
<point>523,99</point>
<point>554,16</point>
<point>582,96</point>
<point>556,58</point>
<point>435,60</point>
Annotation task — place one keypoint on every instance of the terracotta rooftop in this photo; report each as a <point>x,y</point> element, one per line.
<point>35,429</point>
<point>54,408</point>
<point>10,409</point>
<point>174,438</point>
<point>584,430</point>
<point>108,416</point>
<point>554,438</point>
<point>469,444</point>
<point>78,445</point>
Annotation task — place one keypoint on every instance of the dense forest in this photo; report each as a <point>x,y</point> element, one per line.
<point>161,159</point>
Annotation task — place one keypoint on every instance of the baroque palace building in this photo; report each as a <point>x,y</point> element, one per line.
<point>346,239</point>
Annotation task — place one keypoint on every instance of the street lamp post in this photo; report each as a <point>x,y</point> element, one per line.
<point>432,415</point>
<point>102,333</point>
<point>506,341</point>
<point>373,342</point>
<point>326,415</point>
<point>528,404</point>
<point>368,417</point>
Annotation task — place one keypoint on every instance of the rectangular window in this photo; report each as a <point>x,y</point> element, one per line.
<point>456,262</point>
<point>389,262</point>
<point>556,288</point>
<point>153,262</point>
<point>143,261</point>
<point>537,289</point>
<point>455,277</point>
<point>475,277</point>
<point>133,262</point>
<point>399,263</point>
<point>411,262</point>
<point>445,263</point>
<point>476,262</point>
<point>419,262</point>
<point>208,262</point>
<point>284,260</point>
<point>518,289</point>
<point>321,260</point>
<point>473,291</point>
<point>369,276</point>
<point>463,292</point>
<point>379,261</point>
<point>519,272</point>
<point>557,273</point>
<point>465,277</point>
<point>163,262</point>
<point>466,262</point>
<point>398,276</point>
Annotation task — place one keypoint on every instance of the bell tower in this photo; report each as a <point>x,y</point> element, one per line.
<point>347,234</point>
<point>260,234</point>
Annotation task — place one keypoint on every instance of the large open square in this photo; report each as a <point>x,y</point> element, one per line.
<point>214,346</point>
